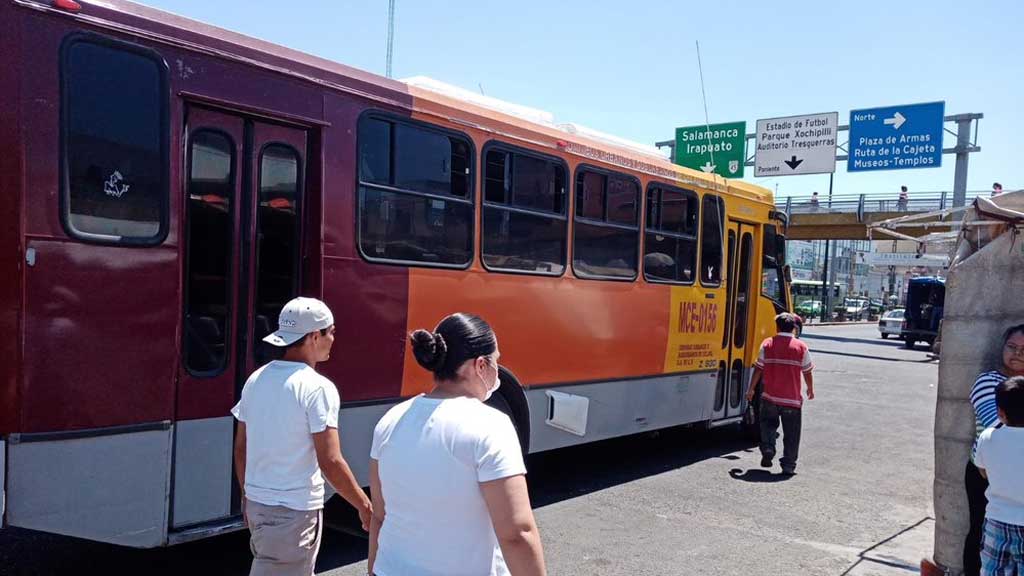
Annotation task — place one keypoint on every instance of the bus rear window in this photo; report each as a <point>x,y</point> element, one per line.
<point>114,133</point>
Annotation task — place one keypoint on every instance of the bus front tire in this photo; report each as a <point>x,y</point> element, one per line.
<point>510,399</point>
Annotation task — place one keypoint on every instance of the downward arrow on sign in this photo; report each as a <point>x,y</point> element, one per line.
<point>793,162</point>
<point>708,167</point>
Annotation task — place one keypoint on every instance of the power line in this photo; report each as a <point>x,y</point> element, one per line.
<point>707,121</point>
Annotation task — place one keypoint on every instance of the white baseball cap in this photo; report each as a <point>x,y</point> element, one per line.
<point>299,317</point>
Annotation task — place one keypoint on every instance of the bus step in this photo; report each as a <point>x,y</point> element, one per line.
<point>217,528</point>
<point>725,421</point>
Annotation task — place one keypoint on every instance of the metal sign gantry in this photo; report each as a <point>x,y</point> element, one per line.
<point>966,132</point>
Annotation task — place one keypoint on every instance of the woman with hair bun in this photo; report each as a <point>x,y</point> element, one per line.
<point>446,471</point>
<point>983,399</point>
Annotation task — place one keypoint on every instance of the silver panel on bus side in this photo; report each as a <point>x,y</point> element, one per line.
<point>355,427</point>
<point>110,488</point>
<point>202,470</point>
<point>615,409</point>
<point>620,408</point>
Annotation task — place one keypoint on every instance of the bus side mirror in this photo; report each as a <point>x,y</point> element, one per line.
<point>787,272</point>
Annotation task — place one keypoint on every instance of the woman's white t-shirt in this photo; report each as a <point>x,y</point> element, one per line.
<point>432,456</point>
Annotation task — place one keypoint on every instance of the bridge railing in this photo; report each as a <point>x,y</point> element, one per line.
<point>861,204</point>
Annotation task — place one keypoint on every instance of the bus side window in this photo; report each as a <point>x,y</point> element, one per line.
<point>711,232</point>
<point>670,242</point>
<point>524,213</point>
<point>606,231</point>
<point>114,126</point>
<point>415,194</point>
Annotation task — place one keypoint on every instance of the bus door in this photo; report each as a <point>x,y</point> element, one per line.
<point>732,372</point>
<point>243,198</point>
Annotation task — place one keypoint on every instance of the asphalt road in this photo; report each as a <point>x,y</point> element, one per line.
<point>679,502</point>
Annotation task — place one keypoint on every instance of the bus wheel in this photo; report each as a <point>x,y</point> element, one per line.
<point>510,399</point>
<point>908,343</point>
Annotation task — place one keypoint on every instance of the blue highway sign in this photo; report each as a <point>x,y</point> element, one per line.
<point>896,137</point>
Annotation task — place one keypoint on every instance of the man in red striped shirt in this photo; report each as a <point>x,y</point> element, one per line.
<point>782,360</point>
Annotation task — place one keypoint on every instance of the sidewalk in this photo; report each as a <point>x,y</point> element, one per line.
<point>899,555</point>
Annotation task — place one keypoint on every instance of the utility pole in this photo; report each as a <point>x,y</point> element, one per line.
<point>826,287</point>
<point>826,284</point>
<point>892,275</point>
<point>963,149</point>
<point>391,35</point>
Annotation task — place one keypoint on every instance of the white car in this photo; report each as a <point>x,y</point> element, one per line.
<point>891,323</point>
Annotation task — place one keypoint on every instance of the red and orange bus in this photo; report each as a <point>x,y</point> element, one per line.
<point>166,186</point>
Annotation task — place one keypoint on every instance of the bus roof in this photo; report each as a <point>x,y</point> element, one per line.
<point>421,95</point>
<point>538,127</point>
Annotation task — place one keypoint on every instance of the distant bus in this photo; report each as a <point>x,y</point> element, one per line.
<point>166,186</point>
<point>926,296</point>
<point>804,290</point>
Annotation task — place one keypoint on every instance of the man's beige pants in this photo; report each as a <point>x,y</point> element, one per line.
<point>284,542</point>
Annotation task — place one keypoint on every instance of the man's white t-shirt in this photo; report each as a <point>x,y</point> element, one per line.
<point>283,404</point>
<point>432,456</point>
<point>1000,453</point>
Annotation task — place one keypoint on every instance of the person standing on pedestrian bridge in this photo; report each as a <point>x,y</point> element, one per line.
<point>904,199</point>
<point>780,364</point>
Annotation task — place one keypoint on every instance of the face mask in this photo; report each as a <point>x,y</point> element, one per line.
<point>493,387</point>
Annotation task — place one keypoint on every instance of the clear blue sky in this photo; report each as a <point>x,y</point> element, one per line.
<point>629,67</point>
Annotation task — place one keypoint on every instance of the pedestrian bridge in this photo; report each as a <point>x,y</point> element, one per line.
<point>847,217</point>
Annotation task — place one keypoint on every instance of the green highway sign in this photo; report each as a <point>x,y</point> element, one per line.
<point>717,148</point>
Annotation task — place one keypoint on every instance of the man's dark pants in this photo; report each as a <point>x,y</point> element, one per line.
<point>771,415</point>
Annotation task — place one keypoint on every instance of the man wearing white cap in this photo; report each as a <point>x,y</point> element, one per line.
<point>287,442</point>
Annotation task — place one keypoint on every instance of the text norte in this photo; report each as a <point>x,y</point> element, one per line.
<point>698,317</point>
